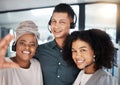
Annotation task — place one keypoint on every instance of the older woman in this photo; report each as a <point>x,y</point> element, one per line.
<point>28,70</point>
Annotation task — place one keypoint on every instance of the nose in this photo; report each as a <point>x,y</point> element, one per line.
<point>27,47</point>
<point>56,25</point>
<point>78,54</point>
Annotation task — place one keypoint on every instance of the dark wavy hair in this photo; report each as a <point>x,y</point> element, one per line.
<point>99,41</point>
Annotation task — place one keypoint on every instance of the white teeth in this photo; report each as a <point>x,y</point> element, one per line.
<point>26,52</point>
<point>79,61</point>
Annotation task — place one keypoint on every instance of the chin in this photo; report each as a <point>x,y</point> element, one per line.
<point>80,67</point>
<point>58,36</point>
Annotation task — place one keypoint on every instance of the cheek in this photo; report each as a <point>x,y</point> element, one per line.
<point>19,48</point>
<point>89,59</point>
<point>51,28</point>
<point>67,29</point>
<point>33,50</point>
<point>73,56</point>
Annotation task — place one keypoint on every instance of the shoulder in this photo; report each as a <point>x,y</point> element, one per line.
<point>35,65</point>
<point>47,45</point>
<point>101,73</point>
<point>34,61</point>
<point>106,78</point>
<point>104,73</point>
<point>101,77</point>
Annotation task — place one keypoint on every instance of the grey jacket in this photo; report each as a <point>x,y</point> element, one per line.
<point>100,77</point>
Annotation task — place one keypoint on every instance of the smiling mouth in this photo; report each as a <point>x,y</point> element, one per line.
<point>79,61</point>
<point>57,31</point>
<point>26,52</point>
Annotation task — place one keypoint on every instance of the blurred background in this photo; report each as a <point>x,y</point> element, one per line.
<point>100,14</point>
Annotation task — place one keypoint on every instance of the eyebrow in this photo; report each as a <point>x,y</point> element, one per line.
<point>81,47</point>
<point>22,40</point>
<point>25,41</point>
<point>60,19</point>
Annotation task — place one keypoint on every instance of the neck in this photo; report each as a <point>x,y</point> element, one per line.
<point>60,42</point>
<point>90,69</point>
<point>22,64</point>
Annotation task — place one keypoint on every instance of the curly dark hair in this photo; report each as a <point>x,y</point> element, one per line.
<point>99,41</point>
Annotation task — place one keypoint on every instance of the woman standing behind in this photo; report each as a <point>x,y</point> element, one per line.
<point>28,71</point>
<point>92,51</point>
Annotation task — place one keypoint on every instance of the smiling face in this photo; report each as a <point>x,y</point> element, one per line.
<point>26,47</point>
<point>60,24</point>
<point>82,54</point>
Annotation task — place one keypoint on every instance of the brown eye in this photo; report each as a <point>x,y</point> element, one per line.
<point>72,50</point>
<point>62,22</point>
<point>83,50</point>
<point>32,45</point>
<point>22,43</point>
<point>53,21</point>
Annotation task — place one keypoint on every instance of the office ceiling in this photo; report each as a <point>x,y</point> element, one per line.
<point>8,5</point>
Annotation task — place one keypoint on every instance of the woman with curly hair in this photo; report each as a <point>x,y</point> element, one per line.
<point>91,51</point>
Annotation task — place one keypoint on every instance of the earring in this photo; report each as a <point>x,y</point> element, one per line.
<point>94,58</point>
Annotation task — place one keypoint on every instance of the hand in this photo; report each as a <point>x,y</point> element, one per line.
<point>4,43</point>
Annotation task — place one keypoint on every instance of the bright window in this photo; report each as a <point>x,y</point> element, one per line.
<point>102,16</point>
